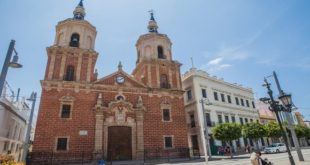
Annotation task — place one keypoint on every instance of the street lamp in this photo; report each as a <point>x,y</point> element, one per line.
<point>276,107</point>
<point>286,100</point>
<point>8,63</point>
<point>32,98</point>
<point>204,131</point>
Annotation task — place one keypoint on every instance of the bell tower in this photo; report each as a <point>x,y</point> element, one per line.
<point>72,57</point>
<point>155,66</point>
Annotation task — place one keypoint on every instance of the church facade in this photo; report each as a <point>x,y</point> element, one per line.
<point>119,116</point>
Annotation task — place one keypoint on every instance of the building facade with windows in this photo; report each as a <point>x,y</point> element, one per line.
<point>265,115</point>
<point>119,116</point>
<point>229,103</point>
<point>14,115</point>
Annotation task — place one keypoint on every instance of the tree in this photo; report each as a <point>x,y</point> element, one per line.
<point>254,131</point>
<point>301,131</point>
<point>227,132</point>
<point>273,130</point>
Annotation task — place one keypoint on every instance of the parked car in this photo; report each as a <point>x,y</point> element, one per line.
<point>275,148</point>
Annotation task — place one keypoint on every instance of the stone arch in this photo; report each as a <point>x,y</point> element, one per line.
<point>75,40</point>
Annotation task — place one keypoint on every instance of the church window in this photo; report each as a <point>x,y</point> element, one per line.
<point>166,115</point>
<point>160,52</point>
<point>69,73</point>
<point>164,81</point>
<point>66,111</point>
<point>168,142</point>
<point>75,40</point>
<point>62,144</point>
<point>120,98</point>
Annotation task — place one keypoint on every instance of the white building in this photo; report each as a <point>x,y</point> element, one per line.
<point>229,103</point>
<point>13,124</point>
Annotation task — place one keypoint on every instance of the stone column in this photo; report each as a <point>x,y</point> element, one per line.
<point>140,140</point>
<point>98,135</point>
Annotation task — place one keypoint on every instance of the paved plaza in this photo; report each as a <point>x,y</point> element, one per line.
<point>277,159</point>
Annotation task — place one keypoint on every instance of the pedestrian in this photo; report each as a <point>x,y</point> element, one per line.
<point>227,150</point>
<point>255,158</point>
<point>221,150</point>
<point>248,148</point>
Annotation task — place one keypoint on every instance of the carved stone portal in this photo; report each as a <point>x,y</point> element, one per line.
<point>116,115</point>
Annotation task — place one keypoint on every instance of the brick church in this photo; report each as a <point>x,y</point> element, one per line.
<point>118,116</point>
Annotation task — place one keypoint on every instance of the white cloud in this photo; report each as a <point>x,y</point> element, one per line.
<point>222,66</point>
<point>215,61</point>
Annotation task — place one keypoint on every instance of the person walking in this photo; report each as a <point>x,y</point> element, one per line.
<point>255,158</point>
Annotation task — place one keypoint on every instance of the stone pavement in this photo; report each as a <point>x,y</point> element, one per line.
<point>276,159</point>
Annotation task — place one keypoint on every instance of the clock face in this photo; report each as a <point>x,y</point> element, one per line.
<point>120,79</point>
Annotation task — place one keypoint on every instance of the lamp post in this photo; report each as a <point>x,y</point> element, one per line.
<point>287,101</point>
<point>204,131</point>
<point>32,98</point>
<point>276,107</point>
<point>8,63</point>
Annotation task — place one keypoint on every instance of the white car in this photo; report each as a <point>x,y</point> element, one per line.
<point>275,148</point>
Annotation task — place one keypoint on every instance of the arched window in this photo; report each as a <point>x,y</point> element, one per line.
<point>75,40</point>
<point>69,73</point>
<point>120,98</point>
<point>160,52</point>
<point>164,81</point>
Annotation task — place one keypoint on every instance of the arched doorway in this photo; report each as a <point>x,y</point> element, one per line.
<point>119,143</point>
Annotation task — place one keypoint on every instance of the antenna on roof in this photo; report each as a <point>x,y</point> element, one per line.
<point>192,62</point>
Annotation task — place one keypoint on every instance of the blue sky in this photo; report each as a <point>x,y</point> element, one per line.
<point>240,40</point>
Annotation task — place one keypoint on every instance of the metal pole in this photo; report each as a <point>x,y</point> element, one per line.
<point>27,140</point>
<point>275,108</point>
<point>6,65</point>
<point>289,120</point>
<point>205,133</point>
<point>278,84</point>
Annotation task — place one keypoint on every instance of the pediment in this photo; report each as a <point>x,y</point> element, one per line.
<point>120,78</point>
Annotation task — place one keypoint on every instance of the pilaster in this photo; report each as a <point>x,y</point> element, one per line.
<point>78,69</point>
<point>51,66</point>
<point>99,133</point>
<point>90,59</point>
<point>62,66</point>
